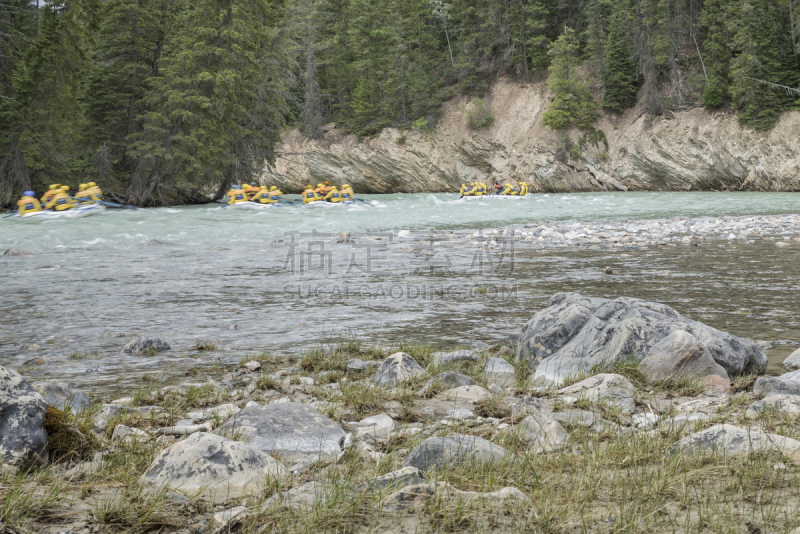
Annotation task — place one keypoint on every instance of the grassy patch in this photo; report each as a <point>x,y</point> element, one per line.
<point>69,438</point>
<point>363,398</point>
<point>83,354</point>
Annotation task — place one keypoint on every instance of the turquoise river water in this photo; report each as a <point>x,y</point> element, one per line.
<point>409,268</point>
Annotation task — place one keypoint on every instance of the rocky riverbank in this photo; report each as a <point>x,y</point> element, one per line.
<point>671,429</point>
<point>686,150</point>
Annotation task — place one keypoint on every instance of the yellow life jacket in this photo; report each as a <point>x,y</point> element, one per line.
<point>60,202</point>
<point>309,195</point>
<point>28,204</point>
<point>236,195</point>
<point>347,194</point>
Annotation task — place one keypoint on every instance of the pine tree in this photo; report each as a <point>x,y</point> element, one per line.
<point>713,20</point>
<point>760,58</point>
<point>129,37</point>
<point>620,71</point>
<point>42,120</point>
<point>215,116</point>
<point>574,106</point>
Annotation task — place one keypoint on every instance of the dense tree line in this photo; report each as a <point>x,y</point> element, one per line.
<point>172,100</point>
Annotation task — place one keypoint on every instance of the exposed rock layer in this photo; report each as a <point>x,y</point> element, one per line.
<point>683,150</point>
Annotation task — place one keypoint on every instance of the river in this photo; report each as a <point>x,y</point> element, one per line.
<point>422,267</point>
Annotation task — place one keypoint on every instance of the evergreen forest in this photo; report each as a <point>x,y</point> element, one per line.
<point>172,101</point>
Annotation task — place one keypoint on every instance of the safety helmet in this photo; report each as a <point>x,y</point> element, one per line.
<point>28,193</point>
<point>327,183</point>
<point>65,188</point>
<point>54,186</point>
<point>345,186</point>
<point>252,183</point>
<point>92,184</point>
<point>319,185</point>
<point>273,188</point>
<point>309,186</point>
<point>82,187</point>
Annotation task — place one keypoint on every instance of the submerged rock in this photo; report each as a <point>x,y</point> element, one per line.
<point>293,431</point>
<point>222,468</point>
<point>144,345</point>
<point>576,333</point>
<point>23,439</point>
<point>396,369</point>
<point>453,450</point>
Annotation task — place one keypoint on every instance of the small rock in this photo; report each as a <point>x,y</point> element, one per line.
<point>441,452</point>
<point>786,384</point>
<point>252,366</point>
<point>592,386</point>
<point>62,396</point>
<point>575,418</point>
<point>377,426</point>
<point>302,497</point>
<point>792,362</point>
<point>441,358</point>
<point>18,252</point>
<point>716,383</point>
<point>500,371</point>
<point>608,270</point>
<point>222,411</point>
<point>184,430</point>
<point>645,421</point>
<point>416,495</point>
<point>543,433</point>
<point>449,379</point>
<point>401,478</point>
<point>461,414</point>
<point>144,345</point>
<point>396,369</point>
<point>127,434</point>
<point>465,394</point>
<point>531,405</point>
<point>356,366</point>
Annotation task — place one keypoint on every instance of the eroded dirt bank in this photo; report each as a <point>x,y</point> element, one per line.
<point>679,151</point>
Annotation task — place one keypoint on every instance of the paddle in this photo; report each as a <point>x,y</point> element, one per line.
<point>363,202</point>
<point>10,215</point>
<point>286,202</point>
<point>109,204</point>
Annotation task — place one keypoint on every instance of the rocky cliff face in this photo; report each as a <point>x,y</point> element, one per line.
<point>680,151</point>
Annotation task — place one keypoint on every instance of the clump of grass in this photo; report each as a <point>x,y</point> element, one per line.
<point>82,355</point>
<point>363,398</point>
<point>205,346</point>
<point>28,496</point>
<point>136,509</point>
<point>266,381</point>
<point>179,400</point>
<point>492,406</point>
<point>68,438</point>
<point>743,383</point>
<point>680,386</point>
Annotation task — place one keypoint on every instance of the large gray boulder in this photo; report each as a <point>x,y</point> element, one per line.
<point>290,430</point>
<point>680,354</point>
<point>62,396</point>
<point>396,369</point>
<point>23,439</point>
<point>576,333</point>
<point>779,404</point>
<point>222,468</point>
<point>453,450</point>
